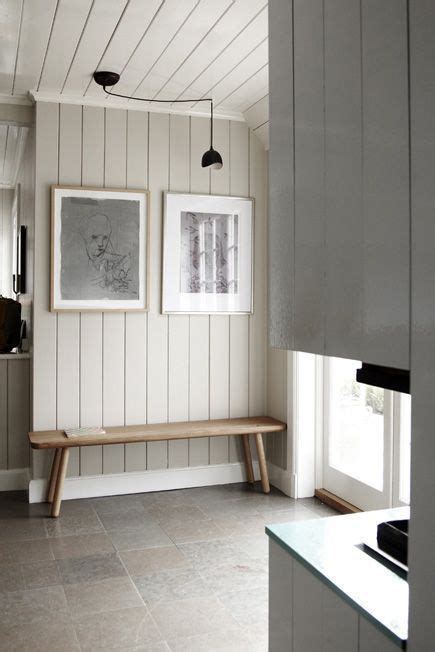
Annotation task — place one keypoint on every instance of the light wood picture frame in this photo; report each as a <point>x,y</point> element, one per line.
<point>208,247</point>
<point>99,249</point>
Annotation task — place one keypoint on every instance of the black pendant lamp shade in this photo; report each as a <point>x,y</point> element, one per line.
<point>211,158</point>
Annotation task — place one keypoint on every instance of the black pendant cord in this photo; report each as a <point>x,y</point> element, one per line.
<point>146,99</point>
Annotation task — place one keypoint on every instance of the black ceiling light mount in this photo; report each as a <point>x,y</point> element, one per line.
<point>211,158</point>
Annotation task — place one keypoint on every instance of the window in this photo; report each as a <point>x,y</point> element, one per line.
<point>366,439</point>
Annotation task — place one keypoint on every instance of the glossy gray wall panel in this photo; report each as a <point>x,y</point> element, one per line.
<point>385,338</point>
<point>309,301</point>
<point>422,526</point>
<point>281,176</point>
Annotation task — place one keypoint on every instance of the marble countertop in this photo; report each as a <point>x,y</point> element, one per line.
<point>15,356</point>
<point>329,548</point>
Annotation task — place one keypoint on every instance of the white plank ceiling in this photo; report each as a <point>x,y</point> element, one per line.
<point>161,48</point>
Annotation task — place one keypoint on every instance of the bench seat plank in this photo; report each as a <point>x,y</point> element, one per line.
<point>159,432</point>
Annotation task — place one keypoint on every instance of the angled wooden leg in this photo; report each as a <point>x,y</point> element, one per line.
<point>63,464</point>
<point>53,474</point>
<point>262,463</point>
<point>248,459</point>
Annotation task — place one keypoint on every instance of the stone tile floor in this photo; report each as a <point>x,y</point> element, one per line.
<point>167,571</point>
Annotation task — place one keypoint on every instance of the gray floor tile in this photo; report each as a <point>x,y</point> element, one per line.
<point>238,640</point>
<point>92,568</point>
<point>190,531</point>
<point>33,606</point>
<point>161,646</point>
<point>45,636</point>
<point>248,606</point>
<point>40,574</point>
<point>141,562</point>
<point>191,617</point>
<point>64,526</point>
<point>148,536</point>
<point>25,551</point>
<point>21,529</point>
<point>235,577</point>
<point>113,504</point>
<point>83,545</point>
<point>132,519</point>
<point>180,514</point>
<point>11,578</point>
<point>167,585</point>
<point>206,553</point>
<point>97,597</point>
<point>127,628</point>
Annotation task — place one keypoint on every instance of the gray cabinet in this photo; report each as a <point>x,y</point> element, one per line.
<point>339,179</point>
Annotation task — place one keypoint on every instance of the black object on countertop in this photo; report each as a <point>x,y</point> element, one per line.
<point>386,377</point>
<point>392,538</point>
<point>10,324</point>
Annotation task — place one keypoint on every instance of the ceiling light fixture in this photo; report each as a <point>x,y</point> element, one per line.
<point>211,158</point>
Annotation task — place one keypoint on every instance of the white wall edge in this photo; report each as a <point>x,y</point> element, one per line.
<point>14,479</point>
<point>132,105</point>
<point>144,481</point>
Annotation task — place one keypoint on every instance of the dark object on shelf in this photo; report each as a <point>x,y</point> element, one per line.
<point>385,377</point>
<point>393,539</point>
<point>19,279</point>
<point>10,324</point>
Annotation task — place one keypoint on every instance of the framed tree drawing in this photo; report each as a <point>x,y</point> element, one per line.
<point>207,254</point>
<point>99,249</point>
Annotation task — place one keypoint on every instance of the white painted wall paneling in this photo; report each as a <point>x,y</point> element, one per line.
<point>14,414</point>
<point>129,368</point>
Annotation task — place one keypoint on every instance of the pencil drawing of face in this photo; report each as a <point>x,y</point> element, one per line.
<point>97,237</point>
<point>100,248</point>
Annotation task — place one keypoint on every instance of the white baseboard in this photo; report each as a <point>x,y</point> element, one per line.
<point>282,479</point>
<point>14,479</point>
<point>131,483</point>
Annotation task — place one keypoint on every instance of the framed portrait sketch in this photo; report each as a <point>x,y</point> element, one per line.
<point>99,249</point>
<point>207,254</point>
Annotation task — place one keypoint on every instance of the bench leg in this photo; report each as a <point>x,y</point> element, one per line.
<point>262,463</point>
<point>53,474</point>
<point>248,459</point>
<point>63,464</point>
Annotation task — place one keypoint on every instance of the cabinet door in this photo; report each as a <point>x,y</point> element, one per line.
<point>339,179</point>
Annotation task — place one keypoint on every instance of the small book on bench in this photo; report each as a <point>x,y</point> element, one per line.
<point>83,432</point>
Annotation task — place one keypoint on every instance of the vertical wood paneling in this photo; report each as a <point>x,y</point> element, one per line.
<point>68,323</point>
<point>114,323</point>
<point>422,523</point>
<point>157,323</point>
<point>3,414</point>
<point>134,367</point>
<point>45,336</point>
<point>280,599</point>
<point>307,610</point>
<point>178,325</point>
<point>18,413</point>
<point>199,324</point>
<point>281,177</point>
<point>340,624</point>
<point>91,324</point>
<point>343,178</point>
<point>136,323</point>
<point>220,324</point>
<point>239,324</point>
<point>309,300</point>
<point>257,321</point>
<point>386,183</point>
<point>371,639</point>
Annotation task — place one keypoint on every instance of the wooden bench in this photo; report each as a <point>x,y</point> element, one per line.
<point>155,432</point>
